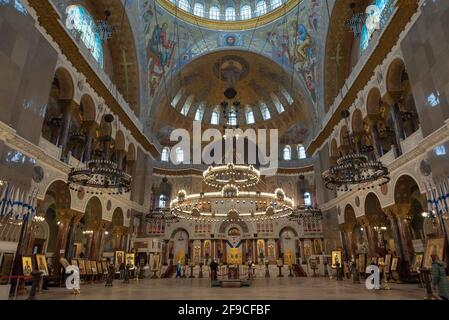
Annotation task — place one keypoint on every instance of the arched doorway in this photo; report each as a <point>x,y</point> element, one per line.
<point>409,206</point>
<point>379,232</point>
<point>179,248</point>
<point>115,232</point>
<point>288,245</point>
<point>89,232</point>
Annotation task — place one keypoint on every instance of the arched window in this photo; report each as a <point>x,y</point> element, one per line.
<point>184,5</point>
<point>165,154</point>
<point>245,12</point>
<point>261,8</point>
<point>287,153</point>
<point>163,201</point>
<point>307,199</point>
<point>81,22</point>
<point>265,111</point>
<point>179,155</point>
<point>279,106</point>
<point>287,95</point>
<point>301,152</point>
<point>230,14</point>
<point>215,119</point>
<point>232,118</point>
<point>275,3</point>
<point>377,14</point>
<point>214,13</point>
<point>250,117</point>
<point>199,113</point>
<point>198,9</point>
<point>185,109</point>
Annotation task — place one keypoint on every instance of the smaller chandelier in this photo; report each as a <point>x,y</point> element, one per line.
<point>100,174</point>
<point>354,169</point>
<point>240,176</point>
<point>303,212</point>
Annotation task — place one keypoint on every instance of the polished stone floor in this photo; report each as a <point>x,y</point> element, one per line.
<point>261,289</point>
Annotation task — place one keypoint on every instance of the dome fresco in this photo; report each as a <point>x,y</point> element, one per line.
<point>294,41</point>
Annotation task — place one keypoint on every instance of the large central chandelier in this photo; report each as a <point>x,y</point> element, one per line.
<point>232,203</point>
<point>355,169</point>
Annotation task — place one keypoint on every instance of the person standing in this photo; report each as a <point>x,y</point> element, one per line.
<point>439,277</point>
<point>214,269</point>
<point>179,270</point>
<point>110,276</point>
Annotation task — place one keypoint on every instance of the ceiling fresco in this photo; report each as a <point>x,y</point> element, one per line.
<point>294,41</point>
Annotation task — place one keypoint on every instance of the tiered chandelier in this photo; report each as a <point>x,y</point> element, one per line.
<point>304,212</point>
<point>355,169</point>
<point>100,175</point>
<point>232,203</point>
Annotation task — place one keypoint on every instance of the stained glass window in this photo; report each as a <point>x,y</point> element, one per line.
<point>17,5</point>
<point>377,15</point>
<point>80,22</point>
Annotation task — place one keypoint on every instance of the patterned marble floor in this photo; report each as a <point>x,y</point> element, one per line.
<point>262,289</point>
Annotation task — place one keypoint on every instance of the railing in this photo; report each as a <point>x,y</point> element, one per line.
<point>363,59</point>
<point>60,6</point>
<point>49,148</point>
<point>412,141</point>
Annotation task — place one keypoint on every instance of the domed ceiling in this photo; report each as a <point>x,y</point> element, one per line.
<point>258,81</point>
<point>284,52</point>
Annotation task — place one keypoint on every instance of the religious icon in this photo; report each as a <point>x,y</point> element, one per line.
<point>434,246</point>
<point>82,267</point>
<point>99,268</point>
<point>93,265</point>
<point>119,258</point>
<point>42,264</point>
<point>418,262</point>
<point>336,259</point>
<point>88,267</point>
<point>394,264</point>
<point>104,266</point>
<point>27,265</point>
<point>130,259</point>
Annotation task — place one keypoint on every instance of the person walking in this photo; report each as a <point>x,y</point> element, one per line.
<point>439,277</point>
<point>214,269</point>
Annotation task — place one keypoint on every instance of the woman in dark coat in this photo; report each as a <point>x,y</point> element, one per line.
<point>439,277</point>
<point>110,276</point>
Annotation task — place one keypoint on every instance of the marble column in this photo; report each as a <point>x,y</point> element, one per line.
<point>96,244</point>
<point>90,136</point>
<point>64,218</point>
<point>68,107</point>
<point>398,128</point>
<point>372,240</point>
<point>396,236</point>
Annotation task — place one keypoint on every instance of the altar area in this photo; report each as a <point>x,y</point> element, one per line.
<point>232,276</point>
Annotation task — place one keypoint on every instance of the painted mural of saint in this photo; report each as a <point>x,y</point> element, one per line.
<point>160,50</point>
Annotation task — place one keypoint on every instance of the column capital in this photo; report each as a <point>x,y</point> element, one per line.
<point>64,215</point>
